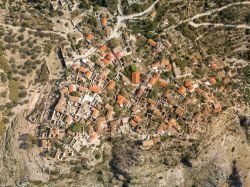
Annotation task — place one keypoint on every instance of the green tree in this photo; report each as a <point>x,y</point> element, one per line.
<point>114,42</point>
<point>76,127</point>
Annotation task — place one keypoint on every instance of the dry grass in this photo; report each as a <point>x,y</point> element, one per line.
<point>2,127</point>
<point>13,87</point>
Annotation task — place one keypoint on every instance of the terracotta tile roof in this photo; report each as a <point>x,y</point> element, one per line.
<point>105,61</point>
<point>95,89</point>
<point>109,56</point>
<point>137,119</point>
<point>83,69</point>
<point>90,37</point>
<point>121,100</point>
<point>72,88</point>
<point>88,74</point>
<point>136,79</point>
<point>162,83</point>
<point>156,139</point>
<point>189,84</point>
<point>103,48</point>
<point>214,66</point>
<point>212,80</point>
<point>168,67</point>
<point>92,137</point>
<point>104,22</point>
<point>111,85</point>
<point>182,90</point>
<point>152,43</point>
<point>74,99</point>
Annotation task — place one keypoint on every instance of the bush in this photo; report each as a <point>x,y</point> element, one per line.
<point>114,42</point>
<point>22,94</point>
<point>2,31</point>
<point>4,94</point>
<point>3,77</point>
<point>76,127</point>
<point>20,37</point>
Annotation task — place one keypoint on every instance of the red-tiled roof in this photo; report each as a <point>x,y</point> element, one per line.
<point>88,74</point>
<point>152,43</point>
<point>95,89</point>
<point>182,90</point>
<point>121,100</point>
<point>72,88</point>
<point>212,80</point>
<point>90,37</point>
<point>109,56</point>
<point>136,79</point>
<point>104,22</point>
<point>162,83</point>
<point>111,85</point>
<point>103,48</point>
<point>189,84</point>
<point>83,69</point>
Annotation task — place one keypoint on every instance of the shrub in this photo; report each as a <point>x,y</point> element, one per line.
<point>20,37</point>
<point>113,43</point>
<point>3,77</point>
<point>76,127</point>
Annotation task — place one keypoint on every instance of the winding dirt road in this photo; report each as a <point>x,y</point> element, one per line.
<point>122,18</point>
<point>191,22</point>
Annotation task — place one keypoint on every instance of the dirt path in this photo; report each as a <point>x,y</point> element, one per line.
<point>197,25</point>
<point>16,28</point>
<point>210,12</point>
<point>122,18</point>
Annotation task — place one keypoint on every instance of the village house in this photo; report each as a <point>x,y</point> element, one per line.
<point>136,77</point>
